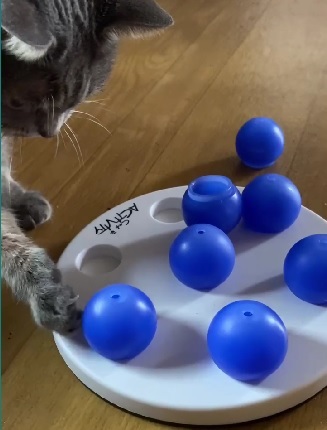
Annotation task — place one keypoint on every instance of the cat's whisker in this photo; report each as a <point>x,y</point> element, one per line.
<point>10,168</point>
<point>53,108</point>
<point>77,142</point>
<point>94,101</point>
<point>79,161</point>
<point>101,106</point>
<point>63,140</point>
<point>57,146</point>
<point>48,112</point>
<point>72,142</point>
<point>10,163</point>
<point>95,122</point>
<point>98,100</point>
<point>85,113</point>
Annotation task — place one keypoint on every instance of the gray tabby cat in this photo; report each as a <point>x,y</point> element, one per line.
<point>55,53</point>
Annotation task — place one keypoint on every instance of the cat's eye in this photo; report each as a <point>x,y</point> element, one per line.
<point>16,104</point>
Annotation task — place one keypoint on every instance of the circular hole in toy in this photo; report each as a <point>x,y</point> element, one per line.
<point>98,260</point>
<point>167,211</point>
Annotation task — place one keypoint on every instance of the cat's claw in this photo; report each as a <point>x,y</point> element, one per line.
<point>54,308</point>
<point>32,210</point>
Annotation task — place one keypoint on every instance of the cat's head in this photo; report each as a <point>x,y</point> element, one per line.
<point>56,53</point>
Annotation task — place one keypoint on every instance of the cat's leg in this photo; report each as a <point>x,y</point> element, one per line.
<point>35,280</point>
<point>29,207</point>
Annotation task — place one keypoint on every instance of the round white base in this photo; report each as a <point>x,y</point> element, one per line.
<point>174,380</point>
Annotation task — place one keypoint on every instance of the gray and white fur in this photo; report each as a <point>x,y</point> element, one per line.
<point>55,54</point>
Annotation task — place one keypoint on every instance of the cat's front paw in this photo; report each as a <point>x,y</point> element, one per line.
<point>31,210</point>
<point>54,308</point>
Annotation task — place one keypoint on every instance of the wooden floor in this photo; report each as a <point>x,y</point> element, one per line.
<point>173,106</point>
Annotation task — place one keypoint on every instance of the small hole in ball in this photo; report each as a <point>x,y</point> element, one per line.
<point>200,232</point>
<point>248,314</point>
<point>115,296</point>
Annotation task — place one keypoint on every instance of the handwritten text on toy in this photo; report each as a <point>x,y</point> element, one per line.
<point>116,222</point>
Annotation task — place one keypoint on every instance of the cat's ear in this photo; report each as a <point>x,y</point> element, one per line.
<point>27,35</point>
<point>134,17</point>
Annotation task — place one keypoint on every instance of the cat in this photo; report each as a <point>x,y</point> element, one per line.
<point>55,54</point>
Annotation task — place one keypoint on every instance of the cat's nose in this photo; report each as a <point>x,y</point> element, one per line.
<point>46,135</point>
<point>47,132</point>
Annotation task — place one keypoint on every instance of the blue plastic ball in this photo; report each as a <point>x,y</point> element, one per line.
<point>305,269</point>
<point>270,204</point>
<point>202,257</point>
<point>212,200</point>
<point>259,143</point>
<point>119,322</point>
<point>247,340</point>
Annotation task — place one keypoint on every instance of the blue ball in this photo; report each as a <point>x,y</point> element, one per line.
<point>212,200</point>
<point>270,204</point>
<point>305,269</point>
<point>259,143</point>
<point>247,340</point>
<point>119,322</point>
<point>202,257</point>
